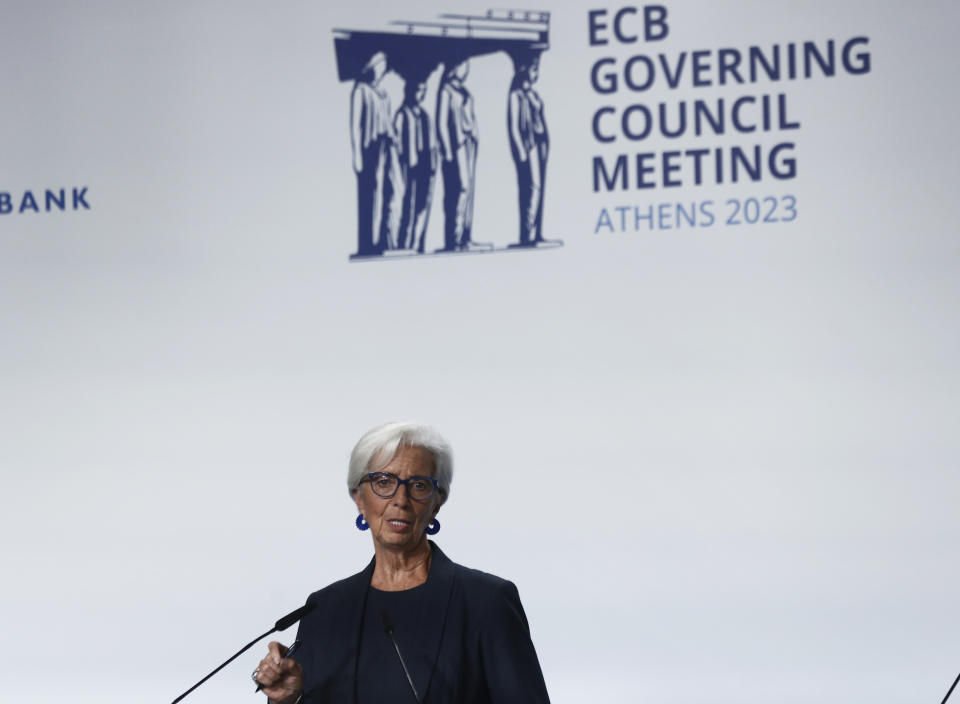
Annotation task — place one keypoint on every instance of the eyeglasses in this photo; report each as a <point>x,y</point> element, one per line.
<point>385,485</point>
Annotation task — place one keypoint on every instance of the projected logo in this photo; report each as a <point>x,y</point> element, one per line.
<point>43,201</point>
<point>400,156</point>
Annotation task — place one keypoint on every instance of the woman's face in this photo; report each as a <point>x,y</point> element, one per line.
<point>379,68</point>
<point>533,73</point>
<point>398,523</point>
<point>418,94</point>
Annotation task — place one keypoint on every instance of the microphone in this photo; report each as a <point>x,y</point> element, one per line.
<point>388,629</point>
<point>281,625</point>
<point>294,616</point>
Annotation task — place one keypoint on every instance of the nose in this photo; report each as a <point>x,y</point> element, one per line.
<point>405,499</point>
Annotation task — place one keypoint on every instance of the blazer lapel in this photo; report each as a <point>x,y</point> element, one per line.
<point>439,588</point>
<point>354,608</point>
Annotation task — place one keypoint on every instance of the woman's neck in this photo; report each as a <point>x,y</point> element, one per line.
<point>396,570</point>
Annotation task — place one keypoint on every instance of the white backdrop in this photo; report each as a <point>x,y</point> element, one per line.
<point>720,463</point>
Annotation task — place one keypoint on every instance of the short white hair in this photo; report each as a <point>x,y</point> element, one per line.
<point>380,445</point>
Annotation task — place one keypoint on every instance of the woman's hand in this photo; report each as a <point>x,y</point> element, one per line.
<point>282,679</point>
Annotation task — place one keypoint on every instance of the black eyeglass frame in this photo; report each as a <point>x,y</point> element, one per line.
<point>373,475</point>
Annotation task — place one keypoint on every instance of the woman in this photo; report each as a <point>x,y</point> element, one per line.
<point>413,625</point>
<point>379,187</point>
<point>458,137</point>
<point>529,145</point>
<point>417,153</point>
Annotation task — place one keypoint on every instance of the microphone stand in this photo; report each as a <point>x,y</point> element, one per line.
<point>950,691</point>
<point>227,662</point>
<point>281,625</point>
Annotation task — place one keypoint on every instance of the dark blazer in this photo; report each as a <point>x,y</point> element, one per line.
<point>478,631</point>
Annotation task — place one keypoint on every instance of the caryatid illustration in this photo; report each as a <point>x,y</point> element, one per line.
<point>459,138</point>
<point>379,186</point>
<point>417,152</point>
<point>396,155</point>
<point>529,146</point>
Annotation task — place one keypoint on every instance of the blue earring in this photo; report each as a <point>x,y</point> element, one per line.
<point>361,523</point>
<point>433,527</point>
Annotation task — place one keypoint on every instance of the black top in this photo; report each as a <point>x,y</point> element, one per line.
<point>383,678</point>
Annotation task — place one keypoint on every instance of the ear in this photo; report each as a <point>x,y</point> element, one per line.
<point>356,499</point>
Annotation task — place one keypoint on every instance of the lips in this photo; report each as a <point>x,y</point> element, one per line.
<point>399,524</point>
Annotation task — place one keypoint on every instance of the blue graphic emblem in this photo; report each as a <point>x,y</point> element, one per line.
<point>397,156</point>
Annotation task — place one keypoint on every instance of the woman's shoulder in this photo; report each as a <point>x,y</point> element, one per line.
<point>492,602</point>
<point>480,580</point>
<point>475,584</point>
<point>479,586</point>
<point>343,588</point>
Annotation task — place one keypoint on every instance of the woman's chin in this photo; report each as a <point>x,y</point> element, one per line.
<point>391,538</point>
